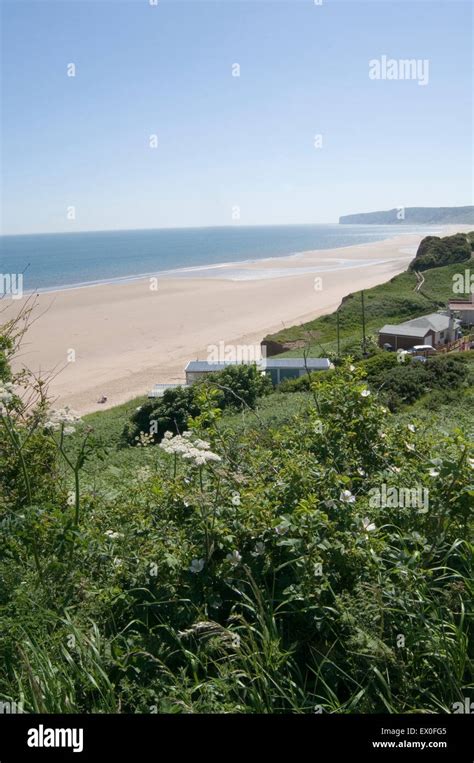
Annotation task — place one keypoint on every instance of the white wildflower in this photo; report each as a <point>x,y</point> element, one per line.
<point>352,368</point>
<point>234,558</point>
<point>197,565</point>
<point>433,472</point>
<point>367,525</point>
<point>411,427</point>
<point>365,393</point>
<point>197,451</point>
<point>113,535</point>
<point>347,497</point>
<point>63,419</point>
<point>281,529</point>
<point>259,549</point>
<point>5,395</point>
<point>236,499</point>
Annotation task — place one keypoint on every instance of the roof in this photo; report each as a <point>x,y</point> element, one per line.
<point>419,326</point>
<point>461,304</point>
<point>312,364</point>
<point>403,330</point>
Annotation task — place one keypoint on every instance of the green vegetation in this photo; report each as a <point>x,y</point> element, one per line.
<point>246,565</point>
<point>435,252</point>
<point>392,302</point>
<point>235,387</point>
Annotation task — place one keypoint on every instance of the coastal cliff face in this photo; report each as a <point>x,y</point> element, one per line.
<point>413,216</point>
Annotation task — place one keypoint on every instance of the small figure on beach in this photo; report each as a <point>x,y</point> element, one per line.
<point>102,399</point>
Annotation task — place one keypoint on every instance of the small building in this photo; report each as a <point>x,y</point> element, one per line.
<point>464,308</point>
<point>435,329</point>
<point>277,368</point>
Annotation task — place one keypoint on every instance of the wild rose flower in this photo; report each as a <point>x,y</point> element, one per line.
<point>347,497</point>
<point>234,558</point>
<point>197,565</point>
<point>367,525</point>
<point>259,549</point>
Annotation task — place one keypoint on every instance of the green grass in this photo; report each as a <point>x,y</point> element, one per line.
<point>391,302</point>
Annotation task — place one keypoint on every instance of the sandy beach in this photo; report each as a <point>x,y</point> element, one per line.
<point>119,340</point>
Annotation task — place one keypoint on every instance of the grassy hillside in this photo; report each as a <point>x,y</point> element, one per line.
<point>391,302</point>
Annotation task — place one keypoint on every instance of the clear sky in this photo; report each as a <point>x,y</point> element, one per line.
<point>226,141</point>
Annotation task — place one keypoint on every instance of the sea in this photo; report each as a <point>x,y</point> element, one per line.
<point>52,261</point>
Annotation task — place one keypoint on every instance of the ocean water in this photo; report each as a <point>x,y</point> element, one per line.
<point>69,260</point>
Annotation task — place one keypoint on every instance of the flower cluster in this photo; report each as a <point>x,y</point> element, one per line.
<point>63,419</point>
<point>197,451</point>
<point>144,439</point>
<point>6,396</point>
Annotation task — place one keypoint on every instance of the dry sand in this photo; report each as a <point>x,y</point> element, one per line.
<point>128,337</point>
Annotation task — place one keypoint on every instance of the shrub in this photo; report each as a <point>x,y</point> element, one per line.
<point>235,387</point>
<point>241,385</point>
<point>435,252</point>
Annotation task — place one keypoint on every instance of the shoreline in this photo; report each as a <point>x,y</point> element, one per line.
<point>205,268</point>
<point>120,339</point>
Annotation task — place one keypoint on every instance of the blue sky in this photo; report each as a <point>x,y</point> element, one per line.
<point>224,141</point>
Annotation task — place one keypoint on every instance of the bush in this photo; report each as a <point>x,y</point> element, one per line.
<point>171,412</point>
<point>304,383</point>
<point>249,573</point>
<point>235,387</point>
<point>434,252</point>
<point>405,383</point>
<point>241,385</point>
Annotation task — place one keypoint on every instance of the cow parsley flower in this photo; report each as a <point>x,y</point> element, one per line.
<point>6,395</point>
<point>63,419</point>
<point>197,451</point>
<point>113,535</point>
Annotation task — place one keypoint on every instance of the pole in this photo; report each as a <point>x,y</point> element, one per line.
<point>363,323</point>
